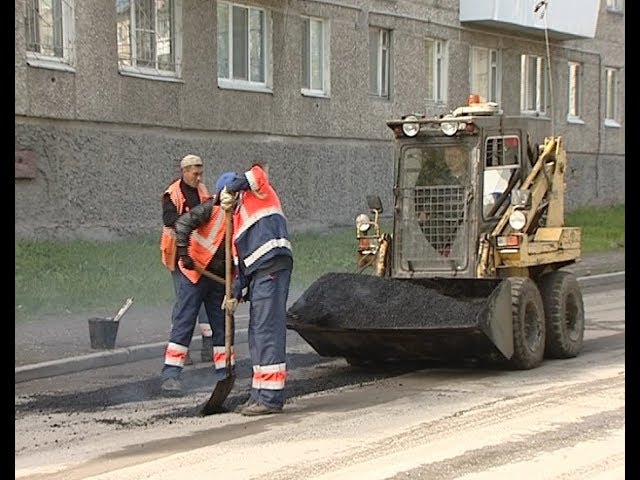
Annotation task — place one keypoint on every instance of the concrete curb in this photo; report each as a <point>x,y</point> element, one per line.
<point>137,353</point>
<point>106,358</point>
<point>601,279</point>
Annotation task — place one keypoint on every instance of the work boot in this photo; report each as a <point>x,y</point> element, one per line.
<point>206,354</point>
<point>171,387</point>
<point>256,409</point>
<point>244,405</point>
<point>188,360</point>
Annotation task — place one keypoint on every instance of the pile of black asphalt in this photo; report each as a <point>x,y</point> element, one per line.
<point>356,301</point>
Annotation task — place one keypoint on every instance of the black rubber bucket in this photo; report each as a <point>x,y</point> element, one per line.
<point>102,333</point>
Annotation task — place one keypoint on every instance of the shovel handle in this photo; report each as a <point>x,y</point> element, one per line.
<point>209,275</point>
<point>228,324</point>
<point>123,310</point>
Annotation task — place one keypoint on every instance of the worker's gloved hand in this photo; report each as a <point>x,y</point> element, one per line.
<point>237,290</point>
<point>230,305</point>
<point>227,199</point>
<point>183,255</point>
<point>187,262</point>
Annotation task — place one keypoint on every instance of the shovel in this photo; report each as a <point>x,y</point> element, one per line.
<point>209,274</point>
<point>223,387</point>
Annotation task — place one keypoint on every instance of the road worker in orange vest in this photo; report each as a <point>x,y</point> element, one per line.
<point>200,239</point>
<point>264,261</point>
<point>181,195</point>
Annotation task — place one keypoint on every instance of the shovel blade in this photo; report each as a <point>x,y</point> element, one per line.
<point>218,396</point>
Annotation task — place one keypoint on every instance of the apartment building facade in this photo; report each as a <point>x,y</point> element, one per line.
<point>109,95</point>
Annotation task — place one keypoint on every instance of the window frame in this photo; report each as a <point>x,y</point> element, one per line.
<point>176,44</point>
<point>493,91</point>
<point>436,70</point>
<point>611,97</point>
<point>228,81</point>
<point>65,61</point>
<point>309,91</point>
<point>502,170</point>
<point>541,94</point>
<point>382,66</point>
<point>574,92</point>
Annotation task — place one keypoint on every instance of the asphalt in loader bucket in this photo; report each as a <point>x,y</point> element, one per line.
<point>369,319</point>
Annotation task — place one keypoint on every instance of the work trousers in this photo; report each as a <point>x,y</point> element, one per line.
<point>267,336</point>
<point>203,320</point>
<point>190,297</point>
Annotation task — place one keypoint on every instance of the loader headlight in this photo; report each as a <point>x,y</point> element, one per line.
<point>449,128</point>
<point>410,127</point>
<point>517,220</point>
<point>363,223</point>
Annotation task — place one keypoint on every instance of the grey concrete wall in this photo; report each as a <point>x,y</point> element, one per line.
<point>101,183</point>
<point>106,143</point>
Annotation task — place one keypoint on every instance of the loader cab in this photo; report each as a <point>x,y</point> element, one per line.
<point>454,175</point>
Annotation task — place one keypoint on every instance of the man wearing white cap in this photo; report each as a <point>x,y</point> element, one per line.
<point>180,196</point>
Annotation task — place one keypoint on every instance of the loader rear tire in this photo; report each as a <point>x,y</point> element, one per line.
<point>528,324</point>
<point>564,313</point>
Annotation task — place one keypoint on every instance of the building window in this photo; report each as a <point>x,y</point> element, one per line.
<point>148,43</point>
<point>379,45</point>
<point>611,101</point>
<point>485,72</point>
<point>615,5</point>
<point>243,46</point>
<point>436,66</point>
<point>315,57</point>
<point>575,92</point>
<point>533,85</point>
<point>49,32</point>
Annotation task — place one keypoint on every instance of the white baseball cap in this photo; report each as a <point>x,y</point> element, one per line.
<point>190,160</point>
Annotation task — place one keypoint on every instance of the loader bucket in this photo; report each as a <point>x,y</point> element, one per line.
<point>370,319</point>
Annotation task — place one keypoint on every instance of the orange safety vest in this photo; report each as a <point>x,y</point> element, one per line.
<point>168,249</point>
<point>257,203</point>
<point>204,242</point>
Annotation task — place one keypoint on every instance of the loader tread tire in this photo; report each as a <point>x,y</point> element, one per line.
<point>564,313</point>
<point>528,324</point>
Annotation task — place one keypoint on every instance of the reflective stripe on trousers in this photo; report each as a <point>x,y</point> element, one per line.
<point>269,377</point>
<point>220,357</point>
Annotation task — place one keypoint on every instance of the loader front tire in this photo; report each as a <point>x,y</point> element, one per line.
<point>528,324</point>
<point>564,313</point>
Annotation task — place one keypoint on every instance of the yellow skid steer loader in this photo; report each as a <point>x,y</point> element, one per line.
<point>473,266</point>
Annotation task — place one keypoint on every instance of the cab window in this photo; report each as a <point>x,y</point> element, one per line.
<point>501,168</point>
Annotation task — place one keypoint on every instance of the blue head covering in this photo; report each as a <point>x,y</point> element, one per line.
<point>224,180</point>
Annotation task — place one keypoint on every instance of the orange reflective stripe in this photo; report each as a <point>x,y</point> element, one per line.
<point>205,241</point>
<point>269,377</point>
<point>220,357</point>
<point>258,202</point>
<point>175,354</point>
